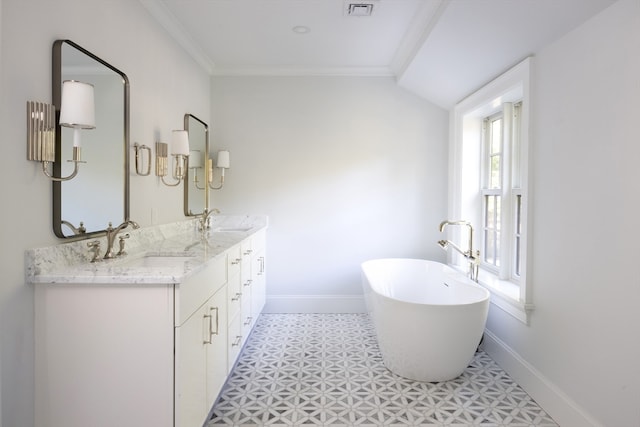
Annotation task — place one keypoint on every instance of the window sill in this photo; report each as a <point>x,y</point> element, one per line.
<point>506,296</point>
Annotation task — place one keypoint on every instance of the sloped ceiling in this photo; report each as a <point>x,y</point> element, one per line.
<point>441,50</point>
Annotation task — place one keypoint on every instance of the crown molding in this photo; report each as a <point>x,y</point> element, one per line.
<point>416,36</point>
<point>165,18</point>
<point>305,71</point>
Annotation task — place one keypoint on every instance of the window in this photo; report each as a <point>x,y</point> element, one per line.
<point>501,194</point>
<point>489,184</point>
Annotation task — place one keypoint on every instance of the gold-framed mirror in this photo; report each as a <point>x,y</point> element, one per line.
<point>99,194</point>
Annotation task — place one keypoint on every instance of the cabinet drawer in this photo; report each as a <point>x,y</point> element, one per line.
<point>245,247</point>
<point>259,241</point>
<point>234,296</point>
<point>234,259</point>
<point>192,293</point>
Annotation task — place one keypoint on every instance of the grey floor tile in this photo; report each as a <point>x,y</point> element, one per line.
<point>326,370</point>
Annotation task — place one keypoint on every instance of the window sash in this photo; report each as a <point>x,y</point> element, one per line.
<point>502,234</point>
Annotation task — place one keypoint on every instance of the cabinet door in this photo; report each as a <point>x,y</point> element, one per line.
<point>217,366</point>
<point>191,369</point>
<point>103,355</point>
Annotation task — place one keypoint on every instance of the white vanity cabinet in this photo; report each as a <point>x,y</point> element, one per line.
<point>144,354</point>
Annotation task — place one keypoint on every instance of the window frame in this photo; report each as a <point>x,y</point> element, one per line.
<point>510,292</point>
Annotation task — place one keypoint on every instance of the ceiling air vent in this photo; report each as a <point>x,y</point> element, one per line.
<point>359,8</point>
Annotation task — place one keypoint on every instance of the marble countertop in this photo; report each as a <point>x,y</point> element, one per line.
<point>164,254</point>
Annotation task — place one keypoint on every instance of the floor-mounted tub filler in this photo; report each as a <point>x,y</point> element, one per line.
<point>428,317</point>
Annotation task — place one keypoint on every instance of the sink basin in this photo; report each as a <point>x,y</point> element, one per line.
<point>231,229</point>
<point>160,260</point>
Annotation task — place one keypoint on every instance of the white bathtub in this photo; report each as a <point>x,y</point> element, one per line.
<point>428,317</point>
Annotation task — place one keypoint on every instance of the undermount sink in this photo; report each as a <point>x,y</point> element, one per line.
<point>176,259</point>
<point>231,229</point>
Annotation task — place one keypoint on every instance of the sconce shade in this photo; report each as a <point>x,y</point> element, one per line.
<point>180,143</point>
<point>223,159</point>
<point>77,109</point>
<point>195,159</point>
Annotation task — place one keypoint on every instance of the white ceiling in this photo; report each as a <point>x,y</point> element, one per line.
<point>440,49</point>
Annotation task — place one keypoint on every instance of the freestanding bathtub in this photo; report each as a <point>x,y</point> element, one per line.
<point>428,317</point>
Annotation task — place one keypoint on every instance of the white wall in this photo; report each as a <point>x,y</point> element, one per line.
<point>347,169</point>
<point>584,336</point>
<point>165,84</point>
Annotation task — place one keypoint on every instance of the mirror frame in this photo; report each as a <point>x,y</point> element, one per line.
<point>187,211</point>
<point>56,85</point>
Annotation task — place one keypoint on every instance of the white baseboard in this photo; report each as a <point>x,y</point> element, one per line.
<point>554,401</point>
<point>315,304</point>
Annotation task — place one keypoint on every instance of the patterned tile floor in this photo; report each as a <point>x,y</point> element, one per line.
<point>326,369</point>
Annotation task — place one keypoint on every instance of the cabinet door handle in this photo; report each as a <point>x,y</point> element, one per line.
<point>209,340</point>
<point>236,342</point>
<point>237,261</point>
<point>217,320</point>
<point>248,252</point>
<point>237,297</point>
<point>261,259</point>
<point>248,321</point>
<point>248,282</point>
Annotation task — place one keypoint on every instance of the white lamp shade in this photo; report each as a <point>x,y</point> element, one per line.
<point>223,159</point>
<point>180,142</point>
<point>77,109</point>
<point>195,159</point>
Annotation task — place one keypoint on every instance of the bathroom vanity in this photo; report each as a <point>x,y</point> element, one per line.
<point>147,339</point>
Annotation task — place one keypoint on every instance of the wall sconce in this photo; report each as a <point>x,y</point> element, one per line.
<point>77,112</point>
<point>221,163</point>
<point>180,150</point>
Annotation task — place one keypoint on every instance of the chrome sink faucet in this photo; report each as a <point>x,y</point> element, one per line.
<point>472,256</point>
<point>111,237</point>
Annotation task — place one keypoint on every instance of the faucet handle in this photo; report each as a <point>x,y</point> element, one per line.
<point>121,243</point>
<point>94,247</point>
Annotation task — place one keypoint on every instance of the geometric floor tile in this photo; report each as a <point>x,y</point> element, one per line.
<point>326,370</point>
